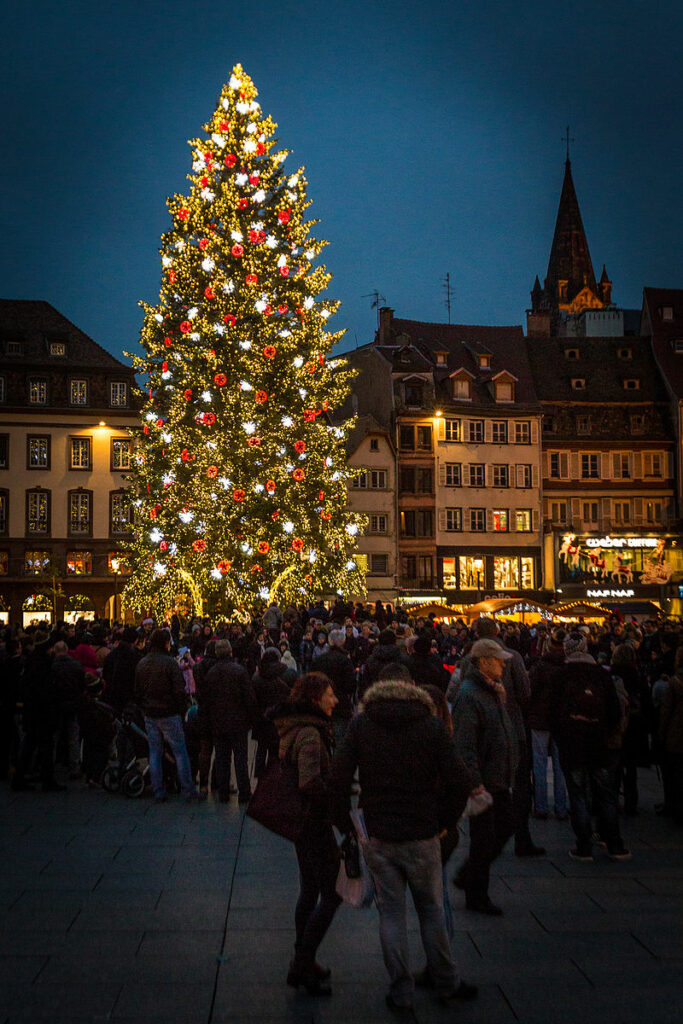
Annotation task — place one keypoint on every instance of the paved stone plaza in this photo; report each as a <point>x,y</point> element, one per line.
<point>125,911</point>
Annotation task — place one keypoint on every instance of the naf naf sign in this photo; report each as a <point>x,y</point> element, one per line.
<point>610,593</point>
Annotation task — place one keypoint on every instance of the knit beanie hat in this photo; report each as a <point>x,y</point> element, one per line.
<point>575,643</point>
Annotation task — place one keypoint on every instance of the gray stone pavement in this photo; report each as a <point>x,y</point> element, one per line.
<point>125,911</point>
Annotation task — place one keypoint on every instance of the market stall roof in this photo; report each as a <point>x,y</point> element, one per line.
<point>440,611</point>
<point>507,605</point>
<point>579,609</point>
<point>638,608</point>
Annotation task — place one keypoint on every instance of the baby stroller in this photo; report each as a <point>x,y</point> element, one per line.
<point>130,774</point>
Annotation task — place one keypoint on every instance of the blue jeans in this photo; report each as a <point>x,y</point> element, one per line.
<point>541,746</point>
<point>171,730</point>
<point>594,786</point>
<point>416,864</point>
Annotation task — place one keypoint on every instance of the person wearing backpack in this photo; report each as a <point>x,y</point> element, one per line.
<point>587,715</point>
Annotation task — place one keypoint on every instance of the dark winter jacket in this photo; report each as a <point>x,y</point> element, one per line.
<point>159,686</point>
<point>516,682</point>
<point>584,744</point>
<point>381,656</point>
<point>545,679</point>
<point>118,673</point>
<point>483,734</point>
<point>405,759</point>
<point>427,670</point>
<point>270,689</point>
<point>69,680</point>
<point>338,667</point>
<point>671,717</point>
<point>229,698</point>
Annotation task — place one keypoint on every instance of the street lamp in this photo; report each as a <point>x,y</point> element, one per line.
<point>115,563</point>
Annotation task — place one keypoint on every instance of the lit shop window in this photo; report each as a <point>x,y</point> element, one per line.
<point>527,573</point>
<point>79,563</point>
<point>500,520</point>
<point>472,573</point>
<point>506,573</point>
<point>449,578</point>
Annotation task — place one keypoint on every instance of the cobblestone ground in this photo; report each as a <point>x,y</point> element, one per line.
<point>125,911</point>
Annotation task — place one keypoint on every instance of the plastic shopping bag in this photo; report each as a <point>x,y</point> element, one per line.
<point>354,881</point>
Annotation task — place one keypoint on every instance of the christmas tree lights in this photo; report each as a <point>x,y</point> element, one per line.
<point>240,480</point>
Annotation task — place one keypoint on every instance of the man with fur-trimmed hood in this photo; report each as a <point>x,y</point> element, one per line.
<point>413,786</point>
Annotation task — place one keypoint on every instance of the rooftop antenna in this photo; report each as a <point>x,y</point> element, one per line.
<point>377,298</point>
<point>567,140</point>
<point>446,285</point>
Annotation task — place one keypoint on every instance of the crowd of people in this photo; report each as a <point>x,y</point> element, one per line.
<point>427,721</point>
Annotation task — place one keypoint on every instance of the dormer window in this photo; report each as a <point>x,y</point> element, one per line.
<point>678,346</point>
<point>14,348</point>
<point>666,312</point>
<point>441,358</point>
<point>578,383</point>
<point>505,391</point>
<point>57,348</point>
<point>571,353</point>
<point>624,353</point>
<point>484,361</point>
<point>631,384</point>
<point>413,392</point>
<point>461,388</point>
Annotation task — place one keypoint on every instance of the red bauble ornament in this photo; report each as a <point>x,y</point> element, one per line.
<point>311,367</point>
<point>145,429</point>
<point>282,308</point>
<point>220,380</point>
<point>224,565</point>
<point>298,475</point>
<point>171,276</point>
<point>321,495</point>
<point>251,279</point>
<point>185,455</point>
<point>309,415</point>
<point>260,149</point>
<point>283,216</point>
<point>326,515</point>
<point>299,446</point>
<point>254,442</point>
<point>204,181</point>
<point>199,545</point>
<point>238,494</point>
<point>284,271</point>
<point>267,311</point>
<point>229,319</point>
<point>237,250</point>
<point>269,351</point>
<point>230,160</point>
<point>163,547</point>
<point>187,394</point>
<point>275,514</point>
<point>212,472</point>
<point>253,236</point>
<point>261,397</point>
<point>270,486</point>
<point>183,213</point>
<point>297,544</point>
<point>208,292</point>
<point>164,367</point>
<point>209,418</point>
<point>153,513</point>
<point>243,204</point>
<point>202,243</point>
<point>185,327</point>
<point>167,342</point>
<point>254,178</point>
<point>263,547</point>
<point>224,126</point>
<point>160,424</point>
<point>326,405</point>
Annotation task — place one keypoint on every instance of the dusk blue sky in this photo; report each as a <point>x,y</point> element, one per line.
<point>431,138</point>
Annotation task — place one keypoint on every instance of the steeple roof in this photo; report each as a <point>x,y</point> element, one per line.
<point>570,259</point>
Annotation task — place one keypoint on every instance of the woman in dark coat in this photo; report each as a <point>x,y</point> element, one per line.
<point>271,684</point>
<point>634,747</point>
<point>304,725</point>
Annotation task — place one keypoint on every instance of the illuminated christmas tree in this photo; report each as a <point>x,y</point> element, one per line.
<point>240,480</point>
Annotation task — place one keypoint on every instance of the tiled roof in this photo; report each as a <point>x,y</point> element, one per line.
<point>32,321</point>
<point>665,332</point>
<point>601,368</point>
<point>505,345</point>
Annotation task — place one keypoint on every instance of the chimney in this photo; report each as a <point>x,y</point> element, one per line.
<point>384,333</point>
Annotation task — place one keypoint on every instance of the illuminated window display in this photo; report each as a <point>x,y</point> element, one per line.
<point>506,573</point>
<point>472,573</point>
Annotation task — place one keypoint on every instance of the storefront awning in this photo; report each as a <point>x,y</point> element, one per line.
<point>511,607</point>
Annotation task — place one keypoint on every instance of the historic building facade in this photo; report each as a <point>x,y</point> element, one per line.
<point>66,409</point>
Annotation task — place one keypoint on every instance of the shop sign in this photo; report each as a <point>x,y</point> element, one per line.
<point>622,542</point>
<point>610,593</point>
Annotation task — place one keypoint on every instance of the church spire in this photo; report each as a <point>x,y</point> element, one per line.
<point>570,269</point>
